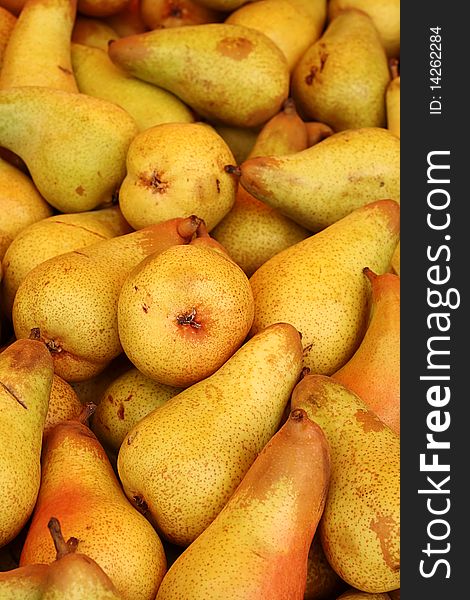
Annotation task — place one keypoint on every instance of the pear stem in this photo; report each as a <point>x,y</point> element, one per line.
<point>189,226</point>
<point>86,412</point>
<point>371,276</point>
<point>288,107</point>
<point>35,334</point>
<point>394,64</point>
<point>61,546</point>
<point>233,170</point>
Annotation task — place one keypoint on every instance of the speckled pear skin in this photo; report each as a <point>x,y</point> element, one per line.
<point>26,372</point>
<point>392,100</point>
<point>185,459</point>
<point>63,403</point>
<point>358,595</point>
<point>92,32</point>
<point>80,489</point>
<point>342,78</point>
<point>177,170</point>
<point>7,22</point>
<point>38,52</point>
<point>229,73</point>
<point>73,297</point>
<point>24,583</point>
<point>373,372</point>
<point>322,581</point>
<point>322,184</point>
<point>318,285</point>
<point>74,145</point>
<point>360,526</point>
<point>258,544</point>
<point>177,13</point>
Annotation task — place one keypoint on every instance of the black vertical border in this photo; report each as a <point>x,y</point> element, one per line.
<point>421,133</point>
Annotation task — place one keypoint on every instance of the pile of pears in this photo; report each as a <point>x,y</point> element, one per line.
<point>199,300</point>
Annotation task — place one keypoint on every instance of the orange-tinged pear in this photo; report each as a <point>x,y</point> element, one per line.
<point>373,372</point>
<point>257,546</point>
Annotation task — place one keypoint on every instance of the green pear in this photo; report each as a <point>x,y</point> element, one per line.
<point>80,489</point>
<point>318,284</point>
<point>125,401</point>
<point>38,52</point>
<point>92,32</point>
<point>72,298</point>
<point>7,23</point>
<point>258,544</point>
<point>185,459</point>
<point>177,170</point>
<point>56,235</point>
<point>360,526</point>
<point>237,75</point>
<point>341,79</point>
<point>26,371</point>
<point>149,105</point>
<point>74,146</point>
<point>322,184</point>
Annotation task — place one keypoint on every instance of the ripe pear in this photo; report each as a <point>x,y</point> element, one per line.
<point>183,313</point>
<point>92,32</point>
<point>7,23</point>
<point>240,140</point>
<point>100,8</point>
<point>185,459</point>
<point>26,371</point>
<point>125,401</point>
<point>342,78</point>
<point>392,100</point>
<point>257,546</point>
<point>56,235</point>
<point>176,13</point>
<point>223,5</point>
<point>14,6</point>
<point>396,260</point>
<point>24,583</point>
<point>238,76</point>
<point>74,146</point>
<point>316,132</point>
<point>38,52</point>
<point>21,204</point>
<point>318,285</point>
<point>63,403</point>
<point>176,170</point>
<point>128,20</point>
<point>384,13</point>
<point>149,105</point>
<point>73,297</point>
<point>373,372</point>
<point>322,184</point>
<point>360,526</point>
<point>80,489</point>
<point>322,581</point>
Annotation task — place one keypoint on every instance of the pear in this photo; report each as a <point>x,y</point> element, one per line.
<point>316,132</point>
<point>384,13</point>
<point>176,13</point>
<point>258,544</point>
<point>360,526</point>
<point>7,23</point>
<point>75,146</point>
<point>318,285</point>
<point>240,140</point>
<point>26,371</point>
<point>396,260</point>
<point>128,20</point>
<point>63,403</point>
<point>223,5</point>
<point>238,76</point>
<point>176,170</point>
<point>80,489</point>
<point>280,20</point>
<point>392,100</point>
<point>56,235</point>
<point>91,390</point>
<point>73,297</point>
<point>24,583</point>
<point>21,204</point>
<point>373,372</point>
<point>125,401</point>
<point>353,594</point>
<point>342,78</point>
<point>100,8</point>
<point>149,105</point>
<point>183,313</point>
<point>184,460</point>
<point>313,9</point>
<point>322,184</point>
<point>92,32</point>
<point>322,581</point>
<point>38,52</point>
<point>14,6</point>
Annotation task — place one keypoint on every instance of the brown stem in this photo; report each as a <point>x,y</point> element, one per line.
<point>86,412</point>
<point>369,274</point>
<point>233,170</point>
<point>61,546</point>
<point>298,414</point>
<point>289,107</point>
<point>304,372</point>
<point>189,226</point>
<point>35,334</point>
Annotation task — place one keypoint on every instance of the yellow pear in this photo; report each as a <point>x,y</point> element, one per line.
<point>128,20</point>
<point>149,105</point>
<point>63,403</point>
<point>341,79</point>
<point>128,399</point>
<point>53,236</point>
<point>183,313</point>
<point>176,170</point>
<point>396,260</point>
<point>280,20</point>
<point>223,5</point>
<point>80,489</point>
<point>26,372</point>
<point>72,298</point>
<point>176,13</point>
<point>322,581</point>
<point>184,460</point>
<point>360,526</point>
<point>21,204</point>
<point>238,75</point>
<point>258,544</point>
<point>316,132</point>
<point>38,52</point>
<point>322,184</point>
<point>74,146</point>
<point>92,32</point>
<point>7,23</point>
<point>384,13</point>
<point>392,100</point>
<point>318,285</point>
